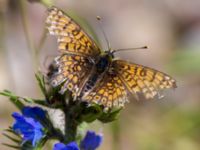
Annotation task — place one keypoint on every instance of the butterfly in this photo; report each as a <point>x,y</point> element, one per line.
<point>94,75</point>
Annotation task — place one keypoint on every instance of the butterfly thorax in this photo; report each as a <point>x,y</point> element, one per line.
<point>100,67</point>
<point>103,62</point>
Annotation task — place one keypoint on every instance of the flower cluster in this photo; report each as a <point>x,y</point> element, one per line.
<point>34,126</point>
<point>29,126</point>
<point>90,142</point>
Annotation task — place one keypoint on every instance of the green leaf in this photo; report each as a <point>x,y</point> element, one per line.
<point>11,138</point>
<point>13,98</point>
<point>110,115</point>
<point>46,3</point>
<point>81,131</point>
<point>10,130</point>
<point>11,146</point>
<point>17,100</point>
<point>41,83</point>
<point>28,146</point>
<point>41,102</point>
<point>90,114</point>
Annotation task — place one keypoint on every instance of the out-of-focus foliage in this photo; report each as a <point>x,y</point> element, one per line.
<point>186,62</point>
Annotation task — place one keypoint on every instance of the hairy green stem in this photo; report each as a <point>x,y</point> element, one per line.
<point>70,127</point>
<point>46,3</point>
<point>70,121</point>
<point>116,135</point>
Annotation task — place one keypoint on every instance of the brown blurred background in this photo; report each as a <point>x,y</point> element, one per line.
<point>171,30</point>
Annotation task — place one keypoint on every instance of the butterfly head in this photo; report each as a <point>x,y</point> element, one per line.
<point>108,54</point>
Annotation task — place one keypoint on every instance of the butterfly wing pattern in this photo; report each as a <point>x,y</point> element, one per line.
<point>141,79</point>
<point>115,84</point>
<point>126,79</point>
<point>70,36</point>
<point>76,49</point>
<point>110,92</point>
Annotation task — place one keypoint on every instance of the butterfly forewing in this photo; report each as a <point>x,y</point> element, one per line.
<point>141,79</point>
<point>76,48</point>
<point>71,37</point>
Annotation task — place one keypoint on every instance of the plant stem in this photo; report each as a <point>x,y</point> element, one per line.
<point>46,3</point>
<point>27,33</point>
<point>70,122</point>
<point>116,135</point>
<point>41,42</point>
<point>70,128</point>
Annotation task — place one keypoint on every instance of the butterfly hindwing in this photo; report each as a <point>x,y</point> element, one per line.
<point>124,78</point>
<point>109,91</point>
<point>71,37</point>
<point>141,79</point>
<point>73,69</point>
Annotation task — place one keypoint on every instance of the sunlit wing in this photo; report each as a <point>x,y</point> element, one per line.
<point>75,65</point>
<point>141,79</point>
<point>109,92</point>
<point>76,49</point>
<point>73,70</point>
<point>71,37</point>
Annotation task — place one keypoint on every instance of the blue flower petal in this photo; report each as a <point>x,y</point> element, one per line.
<point>91,141</point>
<point>29,128</point>
<point>34,112</point>
<point>70,146</point>
<point>59,146</point>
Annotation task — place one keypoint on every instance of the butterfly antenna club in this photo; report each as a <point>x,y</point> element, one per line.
<point>128,49</point>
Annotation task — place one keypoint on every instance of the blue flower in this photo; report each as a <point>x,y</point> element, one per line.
<point>91,141</point>
<point>28,126</point>
<point>34,112</point>
<point>70,146</point>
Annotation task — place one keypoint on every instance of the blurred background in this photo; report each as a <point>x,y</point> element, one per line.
<point>171,30</point>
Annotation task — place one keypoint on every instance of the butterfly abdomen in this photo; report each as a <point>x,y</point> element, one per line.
<point>90,83</point>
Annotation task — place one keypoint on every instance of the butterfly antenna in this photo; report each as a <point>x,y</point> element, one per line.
<point>128,49</point>
<point>104,34</point>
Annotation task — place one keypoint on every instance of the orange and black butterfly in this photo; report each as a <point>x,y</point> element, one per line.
<point>93,75</point>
